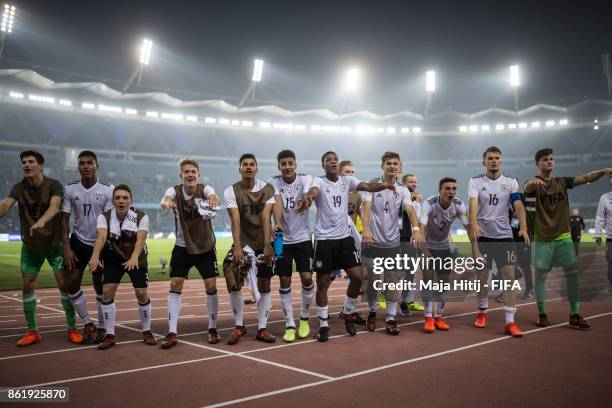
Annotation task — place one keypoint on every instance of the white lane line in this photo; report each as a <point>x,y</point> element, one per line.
<point>387,366</point>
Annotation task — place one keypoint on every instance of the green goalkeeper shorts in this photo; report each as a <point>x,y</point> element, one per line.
<point>548,254</point>
<point>32,261</point>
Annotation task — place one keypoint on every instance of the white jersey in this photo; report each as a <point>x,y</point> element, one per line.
<point>332,206</point>
<point>494,200</point>
<point>180,237</point>
<point>603,219</point>
<point>230,197</point>
<point>385,213</point>
<point>85,205</point>
<point>296,225</point>
<point>438,220</point>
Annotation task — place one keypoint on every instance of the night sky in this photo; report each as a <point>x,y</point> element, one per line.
<point>207,47</point>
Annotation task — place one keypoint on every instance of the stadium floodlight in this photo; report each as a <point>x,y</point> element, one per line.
<point>515,81</point>
<point>499,126</point>
<point>17,95</point>
<point>257,70</point>
<point>416,130</point>
<point>550,123</point>
<point>130,111</point>
<point>247,123</point>
<point>430,81</point>
<point>88,105</point>
<point>511,125</point>
<point>265,125</point>
<point>145,51</point>
<point>6,25</point>
<point>65,102</point>
<point>463,129</point>
<point>211,121</point>
<point>563,122</point>
<point>405,130</point>
<point>351,84</point>
<point>315,128</point>
<point>300,127</point>
<point>522,125</point>
<point>391,130</point>
<point>485,128</point>
<point>473,128</point>
<point>224,121</point>
<point>535,124</point>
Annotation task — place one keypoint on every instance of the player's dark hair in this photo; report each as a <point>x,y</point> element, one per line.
<point>285,154</point>
<point>492,149</point>
<point>39,157</point>
<point>446,180</point>
<point>88,153</point>
<point>388,156</point>
<point>123,187</point>
<point>325,154</point>
<point>542,152</point>
<point>247,156</point>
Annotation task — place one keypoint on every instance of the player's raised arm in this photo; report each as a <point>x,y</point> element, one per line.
<point>592,176</point>
<point>54,207</point>
<point>306,202</point>
<point>375,187</point>
<point>6,205</point>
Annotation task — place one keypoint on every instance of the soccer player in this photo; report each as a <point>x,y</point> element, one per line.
<point>354,204</point>
<point>435,218</point>
<point>193,205</point>
<point>289,189</point>
<point>523,255</point>
<point>120,248</point>
<point>381,238</point>
<point>491,195</point>
<point>334,246</point>
<point>84,200</point>
<point>603,221</point>
<point>407,303</point>
<point>39,199</point>
<point>552,238</point>
<point>250,202</point>
<point>576,223</point>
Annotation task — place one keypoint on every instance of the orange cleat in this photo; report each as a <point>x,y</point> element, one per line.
<point>513,330</point>
<point>75,336</point>
<point>481,320</point>
<point>429,327</point>
<point>30,338</point>
<point>441,324</point>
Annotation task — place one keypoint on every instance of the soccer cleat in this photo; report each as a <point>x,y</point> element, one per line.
<point>323,334</point>
<point>527,294</point>
<point>513,330</point>
<point>31,337</point>
<point>148,338</point>
<point>169,341</point>
<point>74,336</point>
<point>304,328</point>
<point>265,336</point>
<point>416,307</point>
<point>576,321</point>
<point>542,320</point>
<point>349,323</point>
<point>429,326</point>
<point>357,319</point>
<point>89,331</point>
<point>441,324</point>
<point>481,320</point>
<point>391,328</point>
<point>213,336</point>
<point>404,309</point>
<point>371,324</point>
<point>238,332</point>
<point>108,342</point>
<point>289,336</point>
<point>100,335</point>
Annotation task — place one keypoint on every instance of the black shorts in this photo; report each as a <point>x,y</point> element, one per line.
<point>181,262</point>
<point>263,270</point>
<point>334,254</point>
<point>82,251</point>
<point>500,250</point>
<point>301,253</point>
<point>113,272</point>
<point>438,262</point>
<point>372,251</point>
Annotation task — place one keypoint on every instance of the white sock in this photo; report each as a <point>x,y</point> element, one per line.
<point>100,312</point>
<point>483,305</point>
<point>509,312</point>
<point>349,305</point>
<point>372,304</point>
<point>237,304</point>
<point>144,311</point>
<point>440,305</point>
<point>80,305</point>
<point>212,305</point>
<point>109,311</point>
<point>323,314</point>
<point>287,305</point>
<point>263,309</point>
<point>307,295</point>
<point>174,310</point>
<point>391,310</point>
<point>427,303</point>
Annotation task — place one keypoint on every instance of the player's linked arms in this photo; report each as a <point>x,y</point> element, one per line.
<point>306,202</point>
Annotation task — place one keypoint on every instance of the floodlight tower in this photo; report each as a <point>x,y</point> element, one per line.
<point>255,79</point>
<point>6,26</point>
<point>351,86</point>
<point>430,87</point>
<point>145,56</point>
<point>515,81</point>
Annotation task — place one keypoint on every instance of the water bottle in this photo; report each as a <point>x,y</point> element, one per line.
<point>278,243</point>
